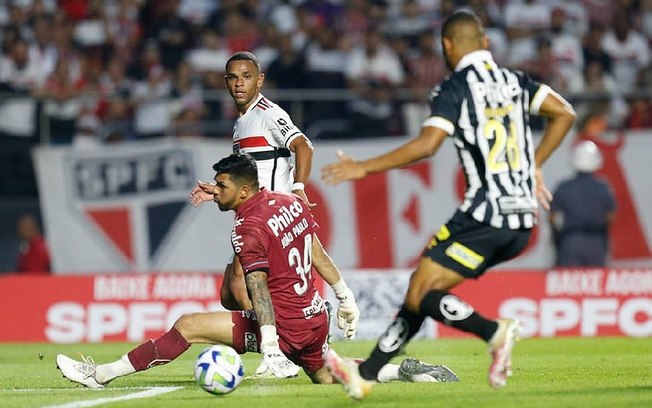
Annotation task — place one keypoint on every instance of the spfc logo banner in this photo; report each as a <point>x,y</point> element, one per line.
<point>126,208</point>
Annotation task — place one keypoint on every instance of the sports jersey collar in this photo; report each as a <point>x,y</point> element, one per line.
<point>244,207</point>
<point>253,105</point>
<point>473,57</point>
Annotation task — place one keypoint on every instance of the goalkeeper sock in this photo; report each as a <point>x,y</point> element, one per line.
<point>160,351</point>
<point>107,372</point>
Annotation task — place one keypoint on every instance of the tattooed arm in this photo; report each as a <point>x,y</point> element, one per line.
<point>269,347</point>
<point>260,297</point>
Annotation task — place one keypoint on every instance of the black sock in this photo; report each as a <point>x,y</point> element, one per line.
<point>452,311</point>
<point>403,328</point>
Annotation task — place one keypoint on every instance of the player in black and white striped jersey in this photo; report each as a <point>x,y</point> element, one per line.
<point>485,109</point>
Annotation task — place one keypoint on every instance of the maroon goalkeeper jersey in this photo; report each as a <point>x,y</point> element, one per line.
<point>273,232</point>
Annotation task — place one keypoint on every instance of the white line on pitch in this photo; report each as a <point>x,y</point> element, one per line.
<point>150,392</point>
<point>72,389</point>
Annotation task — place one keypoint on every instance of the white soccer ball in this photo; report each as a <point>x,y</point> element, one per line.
<point>219,369</point>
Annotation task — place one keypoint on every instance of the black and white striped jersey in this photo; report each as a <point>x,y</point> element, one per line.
<point>486,110</point>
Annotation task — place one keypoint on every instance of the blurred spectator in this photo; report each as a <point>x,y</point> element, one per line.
<point>18,78</point>
<point>593,51</point>
<point>149,56</point>
<point>425,69</point>
<point>354,21</point>
<point>325,63</point>
<point>196,12</point>
<point>283,16</point>
<point>288,69</point>
<point>10,35</point>
<point>567,51</point>
<point>524,22</point>
<point>42,51</point>
<point>210,55</point>
<point>18,72</point>
<point>240,32</point>
<point>187,91</point>
<point>188,124</point>
<point>498,42</point>
<point>123,29</point>
<point>600,12</point>
<point>87,135</point>
<point>629,51</point>
<point>114,80</point>
<point>581,212</point>
<point>33,257</point>
<point>409,23</point>
<point>152,116</point>
<point>91,32</point>
<point>544,67</point>
<point>576,19</point>
<point>372,73</point>
<point>213,84</point>
<point>118,123</point>
<point>62,105</point>
<point>62,33</point>
<point>374,61</point>
<point>115,108</point>
<point>173,34</point>
<point>18,17</point>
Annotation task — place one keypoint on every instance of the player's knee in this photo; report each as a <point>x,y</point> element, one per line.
<point>185,325</point>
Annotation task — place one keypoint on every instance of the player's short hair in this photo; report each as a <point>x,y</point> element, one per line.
<point>240,167</point>
<point>458,18</point>
<point>244,56</point>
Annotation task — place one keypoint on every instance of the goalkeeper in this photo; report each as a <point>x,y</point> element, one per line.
<point>283,299</point>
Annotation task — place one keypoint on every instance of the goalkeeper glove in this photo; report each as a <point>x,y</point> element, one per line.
<point>276,361</point>
<point>348,314</point>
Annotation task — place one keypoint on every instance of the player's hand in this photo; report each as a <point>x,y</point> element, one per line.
<point>345,169</point>
<point>348,314</point>
<point>543,194</point>
<point>304,198</point>
<point>277,362</point>
<point>202,192</point>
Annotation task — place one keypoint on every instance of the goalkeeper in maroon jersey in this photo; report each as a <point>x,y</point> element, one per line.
<point>274,236</point>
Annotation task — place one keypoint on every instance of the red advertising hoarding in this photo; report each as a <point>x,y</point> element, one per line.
<point>135,307</point>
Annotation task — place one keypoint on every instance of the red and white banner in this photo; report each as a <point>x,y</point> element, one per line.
<point>123,307</point>
<point>124,208</point>
<point>135,307</point>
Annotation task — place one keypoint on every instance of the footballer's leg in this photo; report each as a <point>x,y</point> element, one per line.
<point>215,327</point>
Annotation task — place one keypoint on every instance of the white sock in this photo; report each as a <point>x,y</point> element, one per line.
<point>107,372</point>
<point>389,372</point>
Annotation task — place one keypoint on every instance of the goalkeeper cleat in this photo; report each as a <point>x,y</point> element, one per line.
<point>81,372</point>
<point>413,370</point>
<point>345,371</point>
<point>500,348</point>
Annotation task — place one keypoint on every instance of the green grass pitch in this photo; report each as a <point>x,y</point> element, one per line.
<point>561,372</point>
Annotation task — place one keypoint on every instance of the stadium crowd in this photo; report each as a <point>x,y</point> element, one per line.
<point>87,72</point>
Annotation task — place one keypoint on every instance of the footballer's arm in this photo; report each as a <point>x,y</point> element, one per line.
<point>233,293</point>
<point>303,152</point>
<point>260,297</point>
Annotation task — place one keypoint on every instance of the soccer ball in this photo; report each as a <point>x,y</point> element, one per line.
<point>219,369</point>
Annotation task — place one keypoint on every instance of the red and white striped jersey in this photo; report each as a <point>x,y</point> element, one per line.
<point>265,131</point>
